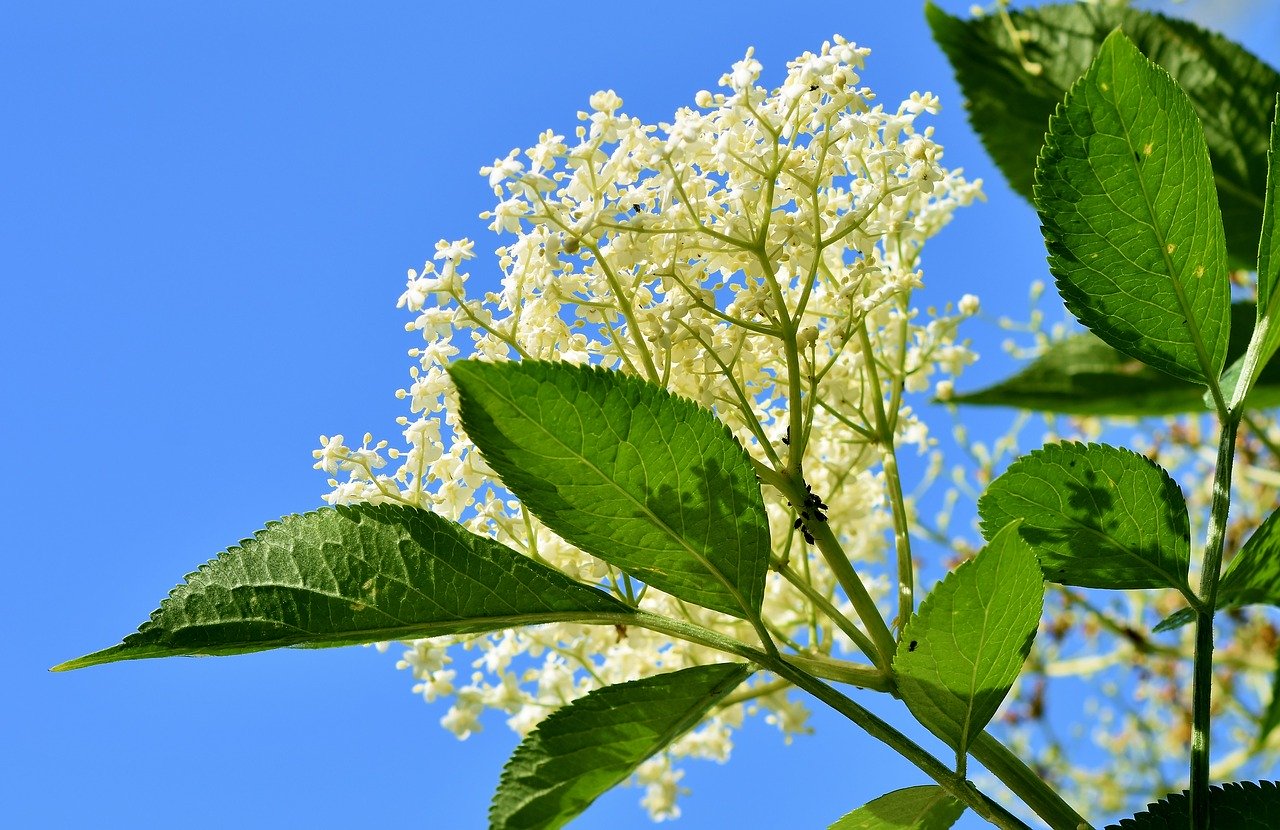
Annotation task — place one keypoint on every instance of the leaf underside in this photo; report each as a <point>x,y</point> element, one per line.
<point>1081,375</point>
<point>962,650</point>
<point>358,574</point>
<point>587,747</point>
<point>1097,516</point>
<point>913,808</point>
<point>647,481</point>
<point>1236,806</point>
<point>1009,107</point>
<point>1126,200</point>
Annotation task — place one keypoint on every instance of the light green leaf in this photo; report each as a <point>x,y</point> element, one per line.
<point>1271,717</point>
<point>914,808</point>
<point>1253,577</point>
<point>1236,806</point>
<point>1268,320</point>
<point>1012,89</point>
<point>1269,243</point>
<point>1097,516</point>
<point>1130,218</point>
<point>1081,375</point>
<point>587,747</point>
<point>962,650</point>
<point>621,468</point>
<point>359,574</point>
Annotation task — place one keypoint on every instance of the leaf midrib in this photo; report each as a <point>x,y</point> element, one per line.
<point>670,532</point>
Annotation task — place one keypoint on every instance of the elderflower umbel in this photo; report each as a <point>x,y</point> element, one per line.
<point>698,253</point>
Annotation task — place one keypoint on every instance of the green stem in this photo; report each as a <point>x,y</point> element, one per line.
<point>953,783</point>
<point>1202,669</point>
<point>893,482</point>
<point>824,605</point>
<point>793,490</point>
<point>1023,782</point>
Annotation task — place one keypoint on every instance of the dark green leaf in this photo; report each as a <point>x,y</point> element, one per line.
<point>913,808</point>
<point>587,747</point>
<point>1009,107</point>
<point>1097,516</point>
<point>359,574</point>
<point>1130,217</point>
<point>1081,375</point>
<point>962,650</point>
<point>1235,806</point>
<point>647,481</point>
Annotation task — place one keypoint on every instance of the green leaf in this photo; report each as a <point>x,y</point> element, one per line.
<point>587,747</point>
<point>1268,326</point>
<point>1081,375</point>
<point>1253,577</point>
<point>1269,244</point>
<point>962,650</point>
<point>1236,806</point>
<point>1009,106</point>
<point>1130,217</point>
<point>359,574</point>
<point>1097,516</point>
<point>1271,717</point>
<point>914,808</point>
<point>621,468</point>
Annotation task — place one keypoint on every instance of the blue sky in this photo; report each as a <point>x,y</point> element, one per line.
<point>208,214</point>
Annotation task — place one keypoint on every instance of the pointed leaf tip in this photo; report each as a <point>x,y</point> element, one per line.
<point>357,574</point>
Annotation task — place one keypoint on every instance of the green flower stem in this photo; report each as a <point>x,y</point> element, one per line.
<point>824,605</point>
<point>954,783</point>
<point>793,490</point>
<point>1023,782</point>
<point>788,668</point>
<point>901,531</point>
<point>1202,669</point>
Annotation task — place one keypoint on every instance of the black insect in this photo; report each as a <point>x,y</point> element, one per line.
<point>810,511</point>
<point>911,646</point>
<point>786,439</point>
<point>813,87</point>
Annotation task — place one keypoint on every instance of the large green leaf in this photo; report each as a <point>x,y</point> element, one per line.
<point>359,574</point>
<point>587,747</point>
<point>647,481</point>
<point>1097,516</point>
<point>1009,106</point>
<point>914,808</point>
<point>1081,375</point>
<point>1130,218</point>
<point>962,650</point>
<point>1253,577</point>
<point>1236,806</point>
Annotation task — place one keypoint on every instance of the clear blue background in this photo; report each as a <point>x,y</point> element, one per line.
<point>207,213</point>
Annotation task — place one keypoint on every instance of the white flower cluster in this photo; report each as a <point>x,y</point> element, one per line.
<point>760,243</point>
